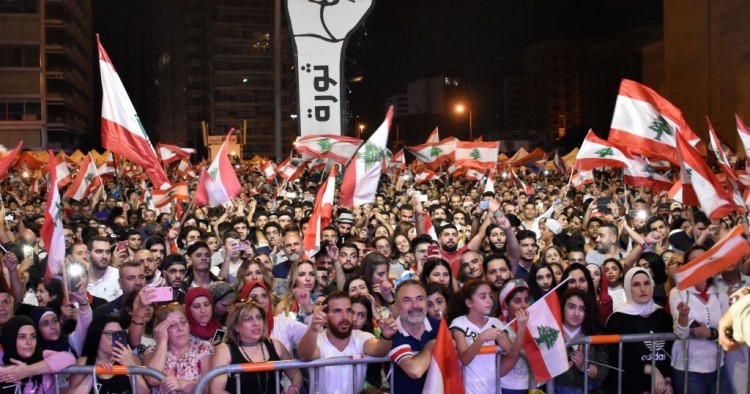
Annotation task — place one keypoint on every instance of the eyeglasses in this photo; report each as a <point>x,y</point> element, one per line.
<point>108,334</point>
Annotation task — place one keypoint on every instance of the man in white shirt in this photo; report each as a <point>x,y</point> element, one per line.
<point>340,340</point>
<point>103,278</point>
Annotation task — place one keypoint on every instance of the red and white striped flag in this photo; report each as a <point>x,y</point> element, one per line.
<point>429,228</point>
<point>435,153</point>
<point>699,184</point>
<point>473,175</point>
<point>171,153</point>
<point>560,164</point>
<point>360,183</point>
<point>543,341</point>
<point>481,155</point>
<point>337,148</point>
<point>646,123</point>
<point>86,182</point>
<point>122,131</point>
<point>639,173</point>
<point>162,198</point>
<point>268,169</point>
<point>185,170</point>
<point>445,375</point>
<point>744,134</point>
<point>52,229</point>
<point>63,173</point>
<point>517,182</point>
<point>425,176</point>
<point>8,160</point>
<point>434,136</point>
<point>291,168</point>
<point>718,151</point>
<point>724,254</point>
<point>398,160</point>
<point>582,178</point>
<point>109,165</point>
<point>219,184</point>
<point>321,216</point>
<point>598,153</point>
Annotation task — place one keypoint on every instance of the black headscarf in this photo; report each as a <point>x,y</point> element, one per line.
<point>59,345</point>
<point>9,337</point>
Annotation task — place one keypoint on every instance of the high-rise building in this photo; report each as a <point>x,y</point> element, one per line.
<point>45,73</point>
<point>216,65</point>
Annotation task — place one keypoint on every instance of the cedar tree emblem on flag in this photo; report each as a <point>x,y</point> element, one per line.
<point>604,152</point>
<point>325,145</point>
<point>547,336</point>
<point>660,126</point>
<point>475,154</point>
<point>435,151</point>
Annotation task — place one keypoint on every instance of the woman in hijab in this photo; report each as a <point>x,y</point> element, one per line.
<point>640,315</point>
<point>29,369</point>
<point>52,335</point>
<point>199,310</point>
<point>286,330</point>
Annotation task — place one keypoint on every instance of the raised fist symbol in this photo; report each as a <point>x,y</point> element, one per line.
<point>334,19</point>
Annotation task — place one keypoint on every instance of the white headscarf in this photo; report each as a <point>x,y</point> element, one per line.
<point>630,307</point>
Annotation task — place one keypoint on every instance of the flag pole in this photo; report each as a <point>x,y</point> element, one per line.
<point>549,292</point>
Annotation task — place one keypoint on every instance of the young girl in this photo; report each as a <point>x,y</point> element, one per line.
<point>541,280</point>
<point>613,275</point>
<point>471,329</point>
<point>437,300</point>
<point>514,300</point>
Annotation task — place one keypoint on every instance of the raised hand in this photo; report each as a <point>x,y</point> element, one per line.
<point>337,18</point>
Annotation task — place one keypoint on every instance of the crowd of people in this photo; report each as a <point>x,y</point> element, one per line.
<point>232,284</point>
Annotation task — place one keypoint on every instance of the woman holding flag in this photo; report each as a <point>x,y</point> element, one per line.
<point>514,300</point>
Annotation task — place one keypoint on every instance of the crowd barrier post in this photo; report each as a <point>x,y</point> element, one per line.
<point>686,367</point>
<point>718,368</point>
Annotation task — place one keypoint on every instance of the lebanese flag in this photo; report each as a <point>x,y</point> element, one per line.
<point>560,164</point>
<point>360,183</point>
<point>582,178</point>
<point>639,173</point>
<point>724,254</point>
<point>435,153</point>
<point>171,153</point>
<point>516,181</point>
<point>109,166</point>
<point>429,228</point>
<point>482,155</point>
<point>219,184</point>
<point>445,374</point>
<point>162,198</point>
<point>398,160</point>
<point>744,133</point>
<point>597,153</point>
<point>434,136</point>
<point>489,186</point>
<point>473,174</point>
<point>699,184</point>
<point>718,151</point>
<point>268,168</point>
<point>52,229</point>
<point>185,170</point>
<point>122,131</point>
<point>336,148</point>
<point>291,168</point>
<point>8,160</point>
<point>321,216</point>
<point>543,341</point>
<point>425,176</point>
<point>646,123</point>
<point>86,182</point>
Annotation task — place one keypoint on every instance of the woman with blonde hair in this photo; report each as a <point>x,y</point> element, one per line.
<point>247,342</point>
<point>303,283</point>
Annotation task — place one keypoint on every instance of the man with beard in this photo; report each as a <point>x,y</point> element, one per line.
<point>528,247</point>
<point>606,245</point>
<point>232,261</point>
<point>153,276</point>
<point>329,236</point>
<point>158,248</point>
<point>103,278</point>
<point>174,268</point>
<point>292,244</point>
<point>497,271</point>
<point>415,339</point>
<point>340,340</point>
<point>345,261</point>
<point>471,266</point>
<point>199,257</point>
<point>131,278</point>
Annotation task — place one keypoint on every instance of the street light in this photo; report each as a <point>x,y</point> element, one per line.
<point>361,129</point>
<point>460,108</point>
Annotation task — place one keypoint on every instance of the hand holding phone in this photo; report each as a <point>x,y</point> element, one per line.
<point>121,337</point>
<point>160,294</point>
<point>433,251</point>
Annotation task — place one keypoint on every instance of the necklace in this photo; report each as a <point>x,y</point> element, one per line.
<point>263,359</point>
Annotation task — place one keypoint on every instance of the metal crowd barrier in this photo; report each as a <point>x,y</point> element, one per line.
<point>116,370</point>
<point>277,366</point>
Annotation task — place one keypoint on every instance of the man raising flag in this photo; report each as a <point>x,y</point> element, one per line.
<point>219,184</point>
<point>321,216</point>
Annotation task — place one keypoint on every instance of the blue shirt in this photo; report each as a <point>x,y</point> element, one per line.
<point>402,382</point>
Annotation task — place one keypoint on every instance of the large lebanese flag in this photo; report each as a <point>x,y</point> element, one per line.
<point>646,123</point>
<point>640,173</point>
<point>8,160</point>
<point>482,155</point>
<point>444,374</point>
<point>727,252</point>
<point>435,153</point>
<point>52,229</point>
<point>360,183</point>
<point>336,148</point>
<point>598,153</point>
<point>321,216</point>
<point>162,198</point>
<point>86,181</point>
<point>543,341</point>
<point>699,184</point>
<point>122,131</point>
<point>219,184</point>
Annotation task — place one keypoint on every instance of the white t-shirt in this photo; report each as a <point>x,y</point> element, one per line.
<point>339,379</point>
<point>288,331</point>
<point>479,375</point>
<point>108,287</point>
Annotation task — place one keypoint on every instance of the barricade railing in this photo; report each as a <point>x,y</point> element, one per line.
<point>278,366</point>
<point>131,371</point>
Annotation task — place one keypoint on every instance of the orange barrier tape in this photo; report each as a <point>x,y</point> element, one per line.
<point>258,367</point>
<point>116,370</point>
<point>604,339</point>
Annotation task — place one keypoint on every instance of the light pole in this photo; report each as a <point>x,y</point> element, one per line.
<point>460,108</point>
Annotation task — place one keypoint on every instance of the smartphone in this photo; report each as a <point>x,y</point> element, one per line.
<point>74,274</point>
<point>161,294</point>
<point>28,251</point>
<point>422,197</point>
<point>484,204</point>
<point>10,217</point>
<point>602,204</point>
<point>122,245</point>
<point>219,336</point>
<point>121,337</point>
<point>557,202</point>
<point>432,250</point>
